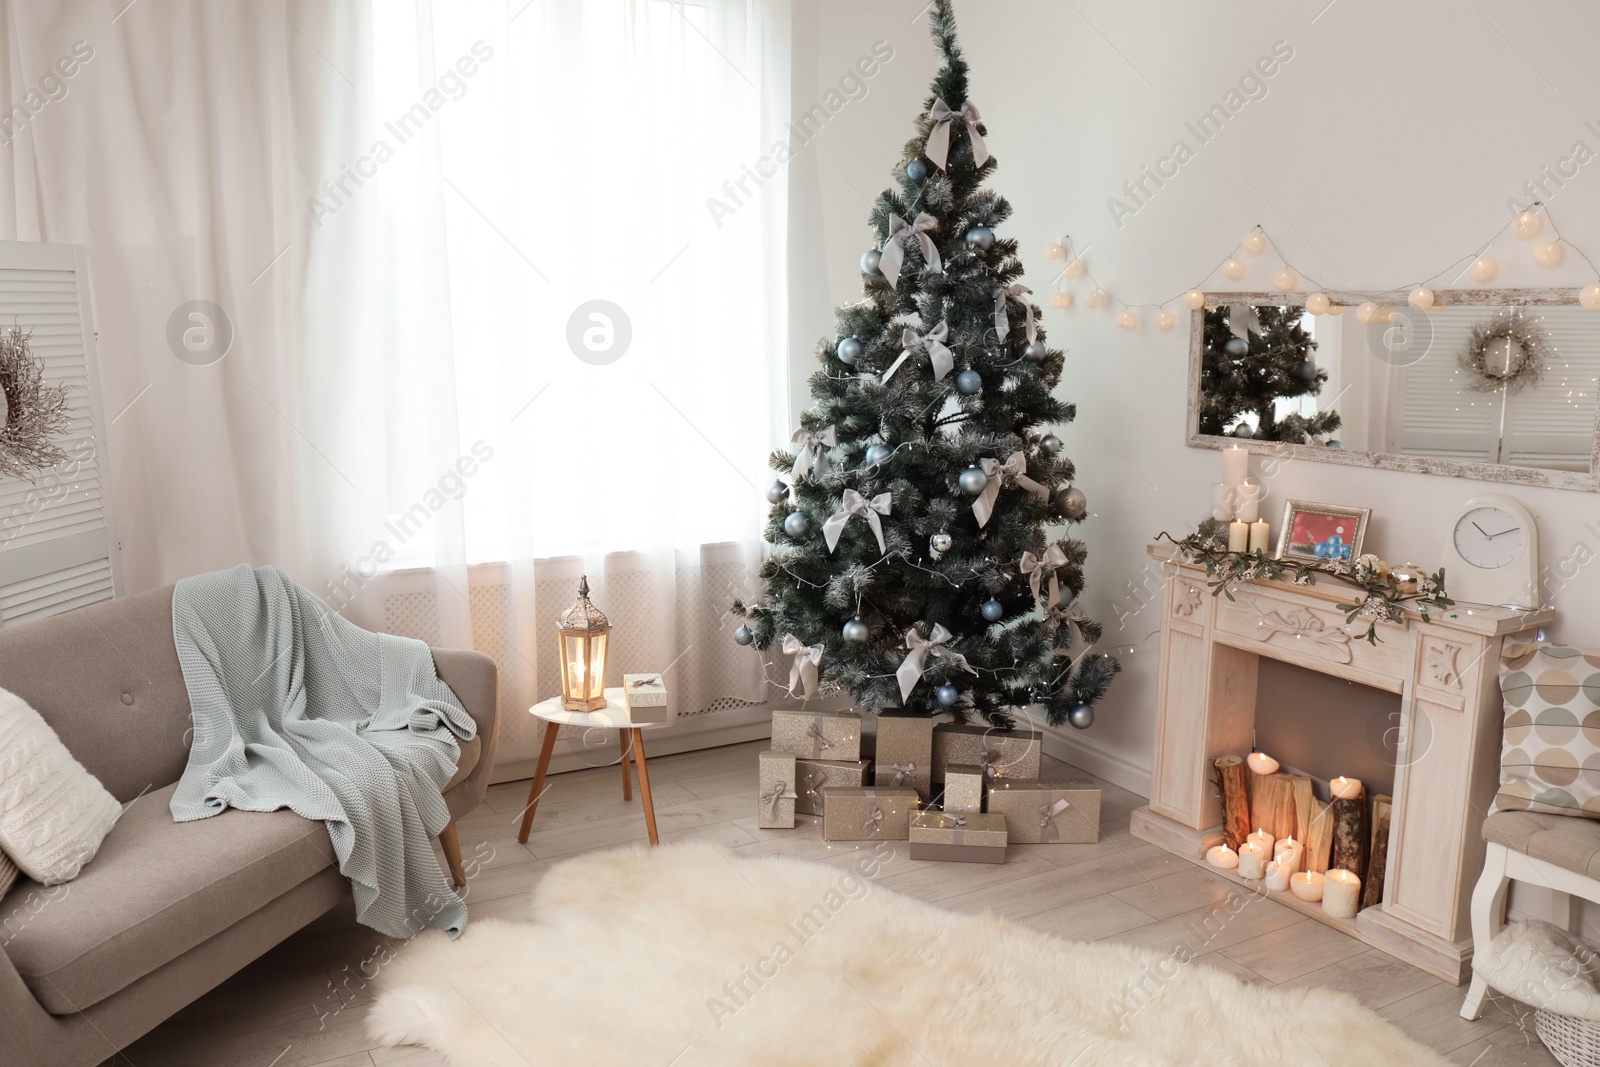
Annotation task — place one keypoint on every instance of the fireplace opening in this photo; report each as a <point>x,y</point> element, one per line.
<point>1323,726</point>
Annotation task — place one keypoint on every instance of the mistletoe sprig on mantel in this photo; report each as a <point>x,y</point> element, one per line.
<point>1384,593</point>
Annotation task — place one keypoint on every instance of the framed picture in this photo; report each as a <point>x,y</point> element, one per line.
<point>1321,531</point>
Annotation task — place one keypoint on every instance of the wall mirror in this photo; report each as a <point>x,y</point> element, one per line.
<point>1496,384</point>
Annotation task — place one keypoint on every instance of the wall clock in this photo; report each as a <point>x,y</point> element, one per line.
<point>1491,553</point>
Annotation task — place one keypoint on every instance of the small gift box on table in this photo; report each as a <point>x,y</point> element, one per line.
<point>646,696</point>
<point>776,797</point>
<point>904,754</point>
<point>829,735</point>
<point>960,837</point>
<point>1001,753</point>
<point>963,788</point>
<point>815,775</point>
<point>854,814</point>
<point>1051,812</point>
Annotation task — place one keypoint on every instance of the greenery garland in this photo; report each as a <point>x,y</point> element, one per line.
<point>1514,328</point>
<point>35,412</point>
<point>1384,595</point>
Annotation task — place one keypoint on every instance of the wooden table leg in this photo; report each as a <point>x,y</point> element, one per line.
<point>627,779</point>
<point>450,841</point>
<point>549,746</point>
<point>644,785</point>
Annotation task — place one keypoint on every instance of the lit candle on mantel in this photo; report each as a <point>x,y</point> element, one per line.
<point>1343,788</point>
<point>1238,537</point>
<point>1252,861</point>
<point>1235,464</point>
<point>1277,877</point>
<point>1260,534</point>
<point>1289,853</point>
<point>1222,857</point>
<point>1341,896</point>
<point>1307,885</point>
<point>1262,763</point>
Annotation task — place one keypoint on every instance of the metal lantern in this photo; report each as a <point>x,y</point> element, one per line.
<point>582,633</point>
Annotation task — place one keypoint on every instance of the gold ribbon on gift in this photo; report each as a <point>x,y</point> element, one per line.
<point>940,358</point>
<point>1037,567</point>
<point>938,147</point>
<point>779,792</point>
<point>853,503</point>
<point>894,246</point>
<point>1014,469</point>
<point>1047,824</point>
<point>1002,322</point>
<point>803,671</point>
<point>809,456</point>
<point>902,771</point>
<point>921,649</point>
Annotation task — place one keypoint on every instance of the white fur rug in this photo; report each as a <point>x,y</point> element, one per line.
<point>681,956</point>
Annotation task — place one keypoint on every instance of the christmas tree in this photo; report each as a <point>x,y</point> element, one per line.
<point>1248,375</point>
<point>914,565</point>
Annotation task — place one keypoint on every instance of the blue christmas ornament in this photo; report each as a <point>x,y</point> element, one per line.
<point>992,610</point>
<point>981,238</point>
<point>916,170</point>
<point>972,481</point>
<point>797,525</point>
<point>947,695</point>
<point>849,350</point>
<point>743,635</point>
<point>969,383</point>
<point>869,262</point>
<point>1321,549</point>
<point>876,454</point>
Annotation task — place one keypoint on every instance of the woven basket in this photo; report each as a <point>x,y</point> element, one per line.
<point>1574,1042</point>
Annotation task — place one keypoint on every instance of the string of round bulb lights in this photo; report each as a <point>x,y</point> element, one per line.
<point>1530,225</point>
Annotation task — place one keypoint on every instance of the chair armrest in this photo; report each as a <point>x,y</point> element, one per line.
<point>25,1028</point>
<point>475,680</point>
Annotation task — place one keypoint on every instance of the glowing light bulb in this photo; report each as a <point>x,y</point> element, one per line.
<point>1284,281</point>
<point>1255,242</point>
<point>1483,269</point>
<point>1233,270</point>
<point>1549,254</point>
<point>1194,300</point>
<point>1317,303</point>
<point>1054,251</point>
<point>1421,298</point>
<point>1060,300</point>
<point>1097,298</point>
<point>1128,319</point>
<point>1528,225</point>
<point>1166,320</point>
<point>1589,296</point>
<point>1074,269</point>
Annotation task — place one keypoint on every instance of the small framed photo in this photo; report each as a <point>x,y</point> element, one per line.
<point>1321,531</point>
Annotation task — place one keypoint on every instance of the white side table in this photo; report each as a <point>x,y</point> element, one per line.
<point>614,716</point>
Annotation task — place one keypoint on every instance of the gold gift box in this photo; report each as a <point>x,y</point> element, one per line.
<point>814,775</point>
<point>777,795</point>
<point>963,788</point>
<point>1003,753</point>
<point>829,735</point>
<point>958,837</point>
<point>904,753</point>
<point>1054,812</point>
<point>857,814</point>
<point>646,696</point>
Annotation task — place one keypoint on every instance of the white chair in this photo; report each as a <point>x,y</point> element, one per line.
<point>1560,852</point>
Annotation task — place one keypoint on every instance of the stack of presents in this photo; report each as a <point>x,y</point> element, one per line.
<point>954,792</point>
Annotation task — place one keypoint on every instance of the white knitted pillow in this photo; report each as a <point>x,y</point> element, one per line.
<point>53,813</point>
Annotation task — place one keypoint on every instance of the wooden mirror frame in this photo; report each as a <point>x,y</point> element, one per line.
<point>1587,481</point>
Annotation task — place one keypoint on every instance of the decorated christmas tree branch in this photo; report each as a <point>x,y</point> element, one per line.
<point>1384,592</point>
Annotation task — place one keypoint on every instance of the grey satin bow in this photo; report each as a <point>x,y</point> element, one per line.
<point>938,147</point>
<point>814,731</point>
<point>809,456</point>
<point>804,668</point>
<point>874,822</point>
<point>1002,322</point>
<point>1047,825</point>
<point>780,791</point>
<point>853,503</point>
<point>1014,469</point>
<point>911,668</point>
<point>893,254</point>
<point>941,358</point>
<point>1036,567</point>
<point>641,682</point>
<point>1243,321</point>
<point>902,771</point>
<point>954,824</point>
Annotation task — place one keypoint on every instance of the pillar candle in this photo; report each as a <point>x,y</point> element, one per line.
<point>1343,788</point>
<point>1252,861</point>
<point>1289,853</point>
<point>1238,536</point>
<point>1341,895</point>
<point>1277,878</point>
<point>1222,499</point>
<point>1262,763</point>
<point>1259,533</point>
<point>1249,509</point>
<point>1264,841</point>
<point>1235,464</point>
<point>1307,885</point>
<point>1223,857</point>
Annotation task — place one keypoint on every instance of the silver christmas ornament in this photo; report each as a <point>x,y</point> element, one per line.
<point>1335,444</point>
<point>876,454</point>
<point>856,630</point>
<point>1081,716</point>
<point>981,238</point>
<point>1050,444</point>
<point>947,695</point>
<point>916,170</point>
<point>1306,371</point>
<point>1243,430</point>
<point>848,351</point>
<point>777,492</point>
<point>940,542</point>
<point>1237,347</point>
<point>743,635</point>
<point>973,480</point>
<point>992,611</point>
<point>969,383</point>
<point>797,525</point>
<point>869,262</point>
<point>1072,504</point>
<point>1034,352</point>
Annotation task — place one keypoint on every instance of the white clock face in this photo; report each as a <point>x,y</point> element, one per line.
<point>1490,538</point>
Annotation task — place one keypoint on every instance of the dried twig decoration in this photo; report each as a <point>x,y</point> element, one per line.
<point>1508,353</point>
<point>35,412</point>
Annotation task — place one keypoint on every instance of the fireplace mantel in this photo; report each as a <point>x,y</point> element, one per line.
<point>1445,671</point>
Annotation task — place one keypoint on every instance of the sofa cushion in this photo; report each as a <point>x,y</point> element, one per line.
<point>1573,844</point>
<point>158,889</point>
<point>1550,756</point>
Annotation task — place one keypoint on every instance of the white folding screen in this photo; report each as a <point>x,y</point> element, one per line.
<point>58,544</point>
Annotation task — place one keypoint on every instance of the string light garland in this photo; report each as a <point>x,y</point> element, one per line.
<point>1482,268</point>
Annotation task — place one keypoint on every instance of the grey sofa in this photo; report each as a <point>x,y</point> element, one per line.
<point>165,911</point>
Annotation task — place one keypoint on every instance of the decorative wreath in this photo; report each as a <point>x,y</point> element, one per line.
<point>1520,363</point>
<point>35,412</point>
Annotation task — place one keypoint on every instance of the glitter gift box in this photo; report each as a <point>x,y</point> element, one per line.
<point>1052,812</point>
<point>904,753</point>
<point>829,735</point>
<point>872,814</point>
<point>963,788</point>
<point>646,695</point>
<point>817,774</point>
<point>1002,753</point>
<point>959,837</point>
<point>777,795</point>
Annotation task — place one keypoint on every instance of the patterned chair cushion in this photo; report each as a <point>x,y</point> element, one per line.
<point>1550,755</point>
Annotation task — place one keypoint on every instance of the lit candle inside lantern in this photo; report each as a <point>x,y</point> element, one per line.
<point>1262,763</point>
<point>1341,897</point>
<point>1223,857</point>
<point>1277,877</point>
<point>1235,465</point>
<point>1249,509</point>
<point>1238,536</point>
<point>1307,885</point>
<point>1259,533</point>
<point>1252,860</point>
<point>1344,788</point>
<point>1222,500</point>
<point>1289,853</point>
